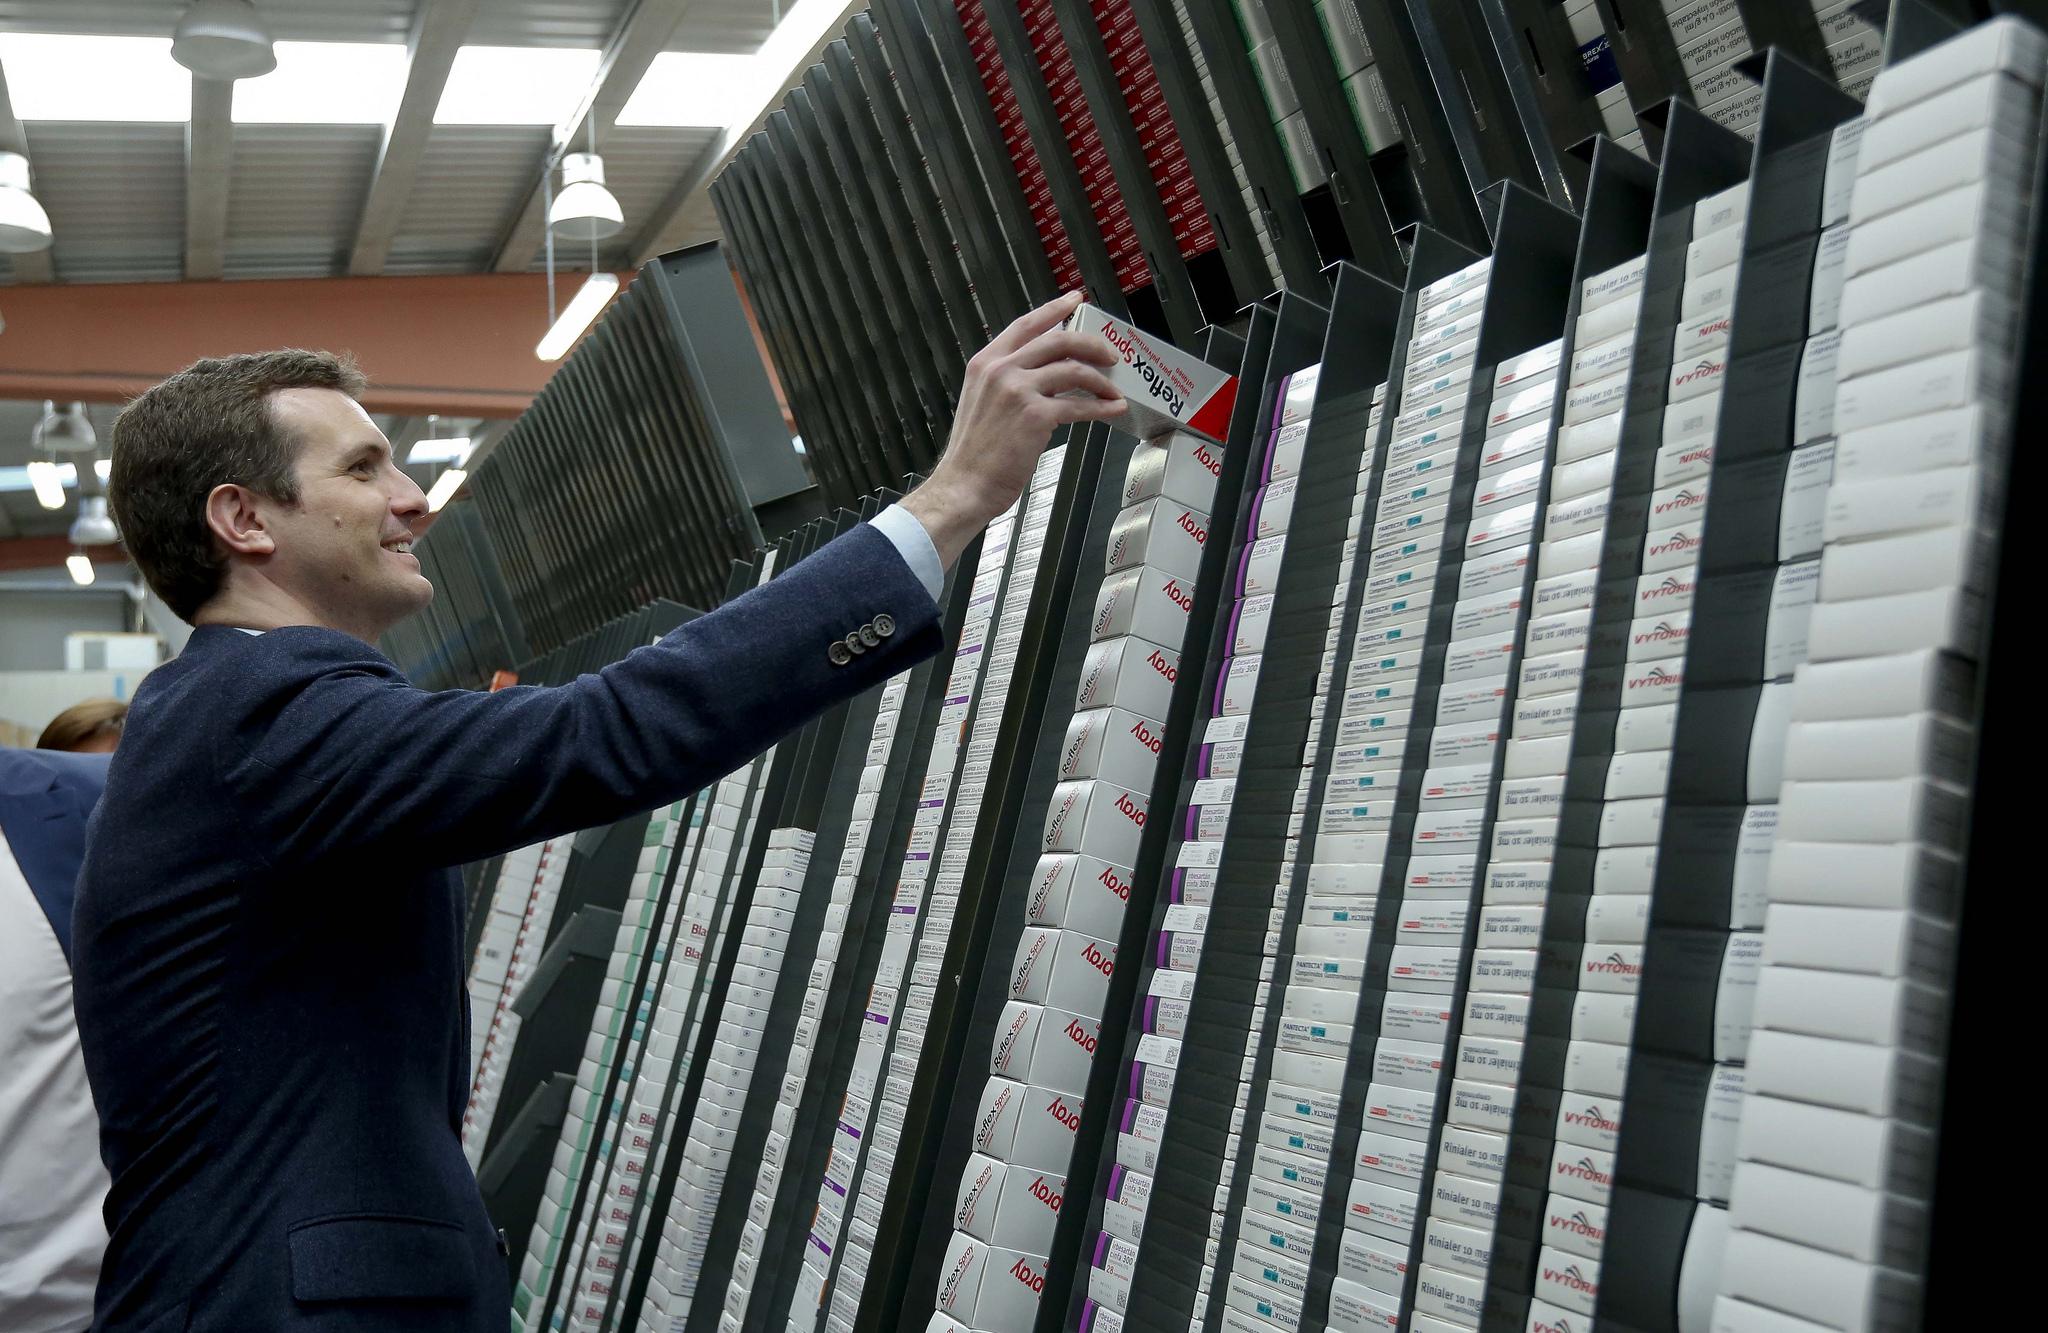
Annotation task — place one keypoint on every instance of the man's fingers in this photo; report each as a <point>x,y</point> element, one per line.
<point>1090,409</point>
<point>1034,322</point>
<point>1062,377</point>
<point>1064,345</point>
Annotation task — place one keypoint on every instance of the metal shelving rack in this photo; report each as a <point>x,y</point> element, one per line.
<point>881,230</point>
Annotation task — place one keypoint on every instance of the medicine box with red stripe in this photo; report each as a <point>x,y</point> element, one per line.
<point>1166,388</point>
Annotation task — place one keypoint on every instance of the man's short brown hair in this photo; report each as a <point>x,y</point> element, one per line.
<point>209,425</point>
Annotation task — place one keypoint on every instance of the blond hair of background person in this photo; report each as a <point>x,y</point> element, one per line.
<point>92,727</point>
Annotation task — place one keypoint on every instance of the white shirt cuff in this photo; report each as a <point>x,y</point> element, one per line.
<point>914,544</point>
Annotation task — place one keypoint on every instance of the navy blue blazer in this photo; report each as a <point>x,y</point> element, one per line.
<point>270,981</point>
<point>46,796</point>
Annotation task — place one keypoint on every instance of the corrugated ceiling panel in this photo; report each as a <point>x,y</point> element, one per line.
<point>116,196</point>
<point>290,20</point>
<point>643,165</point>
<point>471,178</point>
<point>585,23</point>
<point>729,27</point>
<point>295,198</point>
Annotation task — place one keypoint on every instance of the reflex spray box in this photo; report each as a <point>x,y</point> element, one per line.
<point>1166,389</point>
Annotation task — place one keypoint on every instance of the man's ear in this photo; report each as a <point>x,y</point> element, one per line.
<point>234,514</point>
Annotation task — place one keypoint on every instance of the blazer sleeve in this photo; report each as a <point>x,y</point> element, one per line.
<point>340,756</point>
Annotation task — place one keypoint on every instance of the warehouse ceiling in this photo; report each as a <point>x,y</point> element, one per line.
<point>194,182</point>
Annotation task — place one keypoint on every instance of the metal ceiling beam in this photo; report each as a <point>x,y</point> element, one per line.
<point>49,553</point>
<point>437,33</point>
<point>39,266</point>
<point>642,35</point>
<point>459,346</point>
<point>209,161</point>
<point>687,197</point>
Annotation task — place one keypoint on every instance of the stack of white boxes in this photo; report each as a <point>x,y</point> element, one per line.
<point>1596,57</point>
<point>1471,1159</point>
<point>535,902</point>
<point>860,830</point>
<point>1530,802</point>
<point>1784,648</point>
<point>629,1121</point>
<point>1008,1198</point>
<point>1711,37</point>
<point>1830,1192</point>
<point>1438,901</point>
<point>1291,1121</point>
<point>889,730</point>
<point>1206,822</point>
<point>735,1052</point>
<point>943,901</point>
<point>1194,885</point>
<point>1855,48</point>
<point>682,1007</point>
<point>935,867</point>
<point>829,1224</point>
<point>619,1023</point>
<point>1371,746</point>
<point>1370,749</point>
<point>1638,776</point>
<point>511,895</point>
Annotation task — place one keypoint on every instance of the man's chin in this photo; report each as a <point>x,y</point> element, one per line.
<point>411,596</point>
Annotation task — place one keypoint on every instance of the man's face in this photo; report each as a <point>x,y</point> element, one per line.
<point>344,549</point>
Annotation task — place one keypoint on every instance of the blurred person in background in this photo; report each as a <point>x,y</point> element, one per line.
<point>93,727</point>
<point>51,1179</point>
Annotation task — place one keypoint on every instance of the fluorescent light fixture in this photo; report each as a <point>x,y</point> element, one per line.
<point>80,566</point>
<point>445,487</point>
<point>326,83</point>
<point>54,76</point>
<point>582,310</point>
<point>47,480</point>
<point>516,85</point>
<point>689,88</point>
<point>454,451</point>
<point>103,466</point>
<point>19,478</point>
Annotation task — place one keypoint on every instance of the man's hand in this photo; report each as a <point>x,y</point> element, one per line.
<point>1010,404</point>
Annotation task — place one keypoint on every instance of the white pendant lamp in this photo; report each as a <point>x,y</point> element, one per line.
<point>93,526</point>
<point>585,210</point>
<point>24,226</point>
<point>223,39</point>
<point>65,430</point>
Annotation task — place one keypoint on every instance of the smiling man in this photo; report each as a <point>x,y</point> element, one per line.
<point>268,935</point>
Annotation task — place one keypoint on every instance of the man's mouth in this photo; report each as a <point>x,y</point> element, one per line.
<point>402,548</point>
